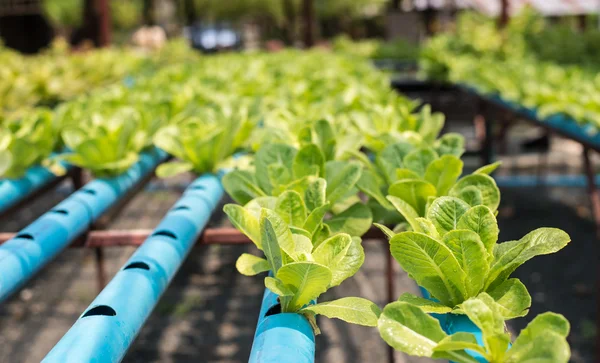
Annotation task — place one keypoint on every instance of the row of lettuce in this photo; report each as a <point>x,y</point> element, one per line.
<point>330,150</point>
<point>552,69</point>
<point>310,191</point>
<point>193,108</point>
<point>58,74</point>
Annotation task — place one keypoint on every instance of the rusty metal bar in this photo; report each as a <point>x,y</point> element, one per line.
<point>135,237</point>
<point>100,268</point>
<point>592,190</point>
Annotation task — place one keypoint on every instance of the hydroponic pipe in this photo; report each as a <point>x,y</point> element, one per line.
<point>104,333</point>
<point>37,244</point>
<point>281,337</point>
<point>454,323</point>
<point>14,190</point>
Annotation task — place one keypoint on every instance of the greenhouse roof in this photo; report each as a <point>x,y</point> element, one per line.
<point>492,7</point>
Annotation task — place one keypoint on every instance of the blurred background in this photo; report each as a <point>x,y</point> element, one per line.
<point>529,50</point>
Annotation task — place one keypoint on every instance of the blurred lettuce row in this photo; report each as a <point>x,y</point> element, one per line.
<point>99,105</point>
<point>58,75</point>
<point>239,102</point>
<point>398,49</point>
<point>559,79</point>
<point>26,141</point>
<point>204,109</point>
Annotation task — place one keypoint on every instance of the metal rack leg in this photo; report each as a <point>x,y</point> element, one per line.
<point>77,178</point>
<point>595,199</point>
<point>483,129</point>
<point>593,192</point>
<point>100,268</point>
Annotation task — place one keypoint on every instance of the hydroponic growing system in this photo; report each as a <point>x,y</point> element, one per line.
<point>317,152</point>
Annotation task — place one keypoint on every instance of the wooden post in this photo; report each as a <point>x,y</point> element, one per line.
<point>190,12</point>
<point>148,13</point>
<point>104,22</point>
<point>504,11</point>
<point>308,11</point>
<point>289,28</point>
<point>582,22</point>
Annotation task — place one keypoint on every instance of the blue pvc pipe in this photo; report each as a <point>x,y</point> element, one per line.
<point>586,132</point>
<point>454,323</point>
<point>37,244</point>
<point>100,194</point>
<point>552,180</point>
<point>104,333</point>
<point>14,190</point>
<point>283,337</point>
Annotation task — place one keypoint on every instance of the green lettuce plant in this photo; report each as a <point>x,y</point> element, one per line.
<point>416,173</point>
<point>398,122</point>
<point>26,141</point>
<point>107,143</point>
<point>408,329</point>
<point>453,255</point>
<point>204,140</point>
<point>301,269</point>
<point>303,188</point>
<point>452,250</point>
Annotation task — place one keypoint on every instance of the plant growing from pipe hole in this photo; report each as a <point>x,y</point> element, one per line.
<point>204,139</point>
<point>409,329</point>
<point>417,173</point>
<point>107,142</point>
<point>453,253</point>
<point>26,141</point>
<point>302,188</point>
<point>301,270</point>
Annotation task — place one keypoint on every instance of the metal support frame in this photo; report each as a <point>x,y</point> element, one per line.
<point>592,190</point>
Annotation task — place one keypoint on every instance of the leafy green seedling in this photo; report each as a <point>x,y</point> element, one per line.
<point>202,142</point>
<point>302,188</point>
<point>407,328</point>
<point>417,176</point>
<point>302,271</point>
<point>26,141</point>
<point>107,143</point>
<point>453,254</point>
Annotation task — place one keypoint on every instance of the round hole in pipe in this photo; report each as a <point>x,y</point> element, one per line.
<point>181,207</point>
<point>165,233</point>
<point>100,310</point>
<point>24,236</point>
<point>89,191</point>
<point>273,310</point>
<point>138,265</point>
<point>60,211</point>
